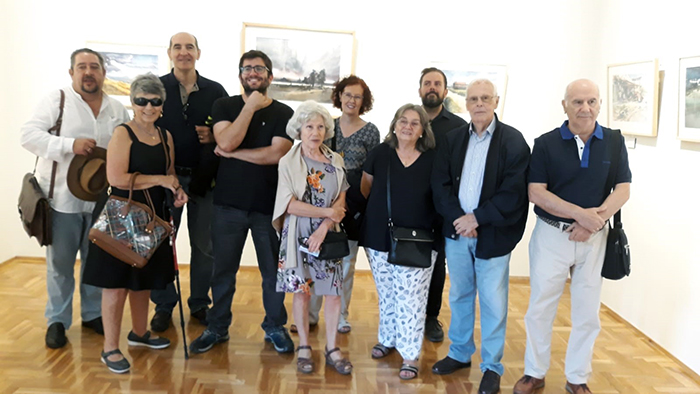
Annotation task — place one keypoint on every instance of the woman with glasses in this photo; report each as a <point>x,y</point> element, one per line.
<point>407,152</point>
<point>136,146</point>
<point>353,138</point>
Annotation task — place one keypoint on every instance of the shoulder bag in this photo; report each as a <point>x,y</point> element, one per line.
<point>34,208</point>
<point>409,247</point>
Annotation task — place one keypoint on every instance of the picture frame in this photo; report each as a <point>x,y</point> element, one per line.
<point>124,62</point>
<point>459,77</point>
<point>689,99</point>
<point>306,63</point>
<point>633,97</point>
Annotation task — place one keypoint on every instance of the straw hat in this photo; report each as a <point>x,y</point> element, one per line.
<point>87,175</point>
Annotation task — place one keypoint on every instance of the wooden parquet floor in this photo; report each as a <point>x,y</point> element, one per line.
<point>624,360</point>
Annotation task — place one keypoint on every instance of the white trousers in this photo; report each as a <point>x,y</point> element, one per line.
<point>552,259</point>
<point>403,300</point>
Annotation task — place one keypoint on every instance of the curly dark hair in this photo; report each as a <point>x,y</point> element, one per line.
<point>367,99</point>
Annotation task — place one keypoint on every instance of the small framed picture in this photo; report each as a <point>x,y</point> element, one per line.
<point>633,97</point>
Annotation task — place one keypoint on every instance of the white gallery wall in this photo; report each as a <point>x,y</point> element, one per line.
<point>545,45</point>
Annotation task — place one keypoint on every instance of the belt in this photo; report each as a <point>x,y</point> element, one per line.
<point>555,223</point>
<point>183,171</point>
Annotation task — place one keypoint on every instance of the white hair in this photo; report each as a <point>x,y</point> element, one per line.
<point>485,81</point>
<point>304,113</point>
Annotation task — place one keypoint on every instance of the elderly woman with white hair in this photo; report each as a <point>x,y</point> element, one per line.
<point>310,202</point>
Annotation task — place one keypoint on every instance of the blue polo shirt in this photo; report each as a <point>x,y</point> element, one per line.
<point>555,162</point>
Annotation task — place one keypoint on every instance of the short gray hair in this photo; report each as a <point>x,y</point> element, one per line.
<point>147,84</point>
<point>304,113</point>
<point>484,81</point>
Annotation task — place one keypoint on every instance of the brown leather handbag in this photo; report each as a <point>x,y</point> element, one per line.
<point>129,230</point>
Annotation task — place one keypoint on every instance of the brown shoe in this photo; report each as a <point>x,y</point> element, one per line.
<point>528,385</point>
<point>577,388</point>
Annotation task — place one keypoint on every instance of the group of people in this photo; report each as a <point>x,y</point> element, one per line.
<point>234,163</point>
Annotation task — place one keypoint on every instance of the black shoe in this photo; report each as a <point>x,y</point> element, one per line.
<point>147,341</point>
<point>201,316</point>
<point>161,321</point>
<point>280,339</point>
<point>56,336</point>
<point>433,329</point>
<point>448,365</point>
<point>95,325</point>
<point>206,341</point>
<point>490,383</point>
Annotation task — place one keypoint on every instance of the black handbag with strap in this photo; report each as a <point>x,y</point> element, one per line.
<point>33,206</point>
<point>617,262</point>
<point>409,247</point>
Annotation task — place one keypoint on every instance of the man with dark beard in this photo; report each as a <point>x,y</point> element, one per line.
<point>432,91</point>
<point>89,117</point>
<point>250,132</point>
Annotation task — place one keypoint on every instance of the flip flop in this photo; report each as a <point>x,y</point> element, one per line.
<point>408,368</point>
<point>381,349</point>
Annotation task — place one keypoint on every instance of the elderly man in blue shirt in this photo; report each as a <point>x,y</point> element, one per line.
<point>480,189</point>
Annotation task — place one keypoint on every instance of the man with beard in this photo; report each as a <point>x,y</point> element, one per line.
<point>89,117</point>
<point>432,91</point>
<point>250,132</point>
<point>185,113</point>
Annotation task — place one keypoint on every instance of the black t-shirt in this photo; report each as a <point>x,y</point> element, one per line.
<point>241,184</point>
<point>444,122</point>
<point>411,196</point>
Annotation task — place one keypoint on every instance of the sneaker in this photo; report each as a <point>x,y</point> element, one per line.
<point>433,329</point>
<point>201,315</point>
<point>120,366</point>
<point>161,321</point>
<point>95,325</point>
<point>56,336</point>
<point>280,339</point>
<point>147,341</point>
<point>206,341</point>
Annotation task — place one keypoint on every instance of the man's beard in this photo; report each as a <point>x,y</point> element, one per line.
<point>264,84</point>
<point>431,100</point>
<point>96,89</point>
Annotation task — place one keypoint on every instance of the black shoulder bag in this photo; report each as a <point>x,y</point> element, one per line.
<point>617,252</point>
<point>410,247</point>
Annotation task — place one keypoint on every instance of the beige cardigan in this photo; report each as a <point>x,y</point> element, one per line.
<point>292,183</point>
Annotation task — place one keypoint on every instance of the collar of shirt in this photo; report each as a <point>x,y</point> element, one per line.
<point>584,150</point>
<point>489,129</point>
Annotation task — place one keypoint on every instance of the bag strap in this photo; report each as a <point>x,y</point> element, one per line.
<point>57,128</point>
<point>615,146</point>
<point>388,192</point>
<point>335,135</point>
<point>163,138</point>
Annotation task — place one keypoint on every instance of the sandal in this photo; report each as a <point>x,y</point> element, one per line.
<point>408,368</point>
<point>343,365</point>
<point>293,328</point>
<point>305,364</point>
<point>345,328</point>
<point>382,350</point>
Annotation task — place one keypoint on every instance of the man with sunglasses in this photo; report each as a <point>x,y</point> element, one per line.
<point>89,117</point>
<point>480,189</point>
<point>185,115</point>
<point>250,132</point>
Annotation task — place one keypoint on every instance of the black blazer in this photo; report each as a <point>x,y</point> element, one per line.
<point>503,204</point>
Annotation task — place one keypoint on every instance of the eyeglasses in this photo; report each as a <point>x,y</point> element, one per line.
<point>349,96</point>
<point>258,69</point>
<point>142,101</point>
<point>475,99</point>
<point>405,123</point>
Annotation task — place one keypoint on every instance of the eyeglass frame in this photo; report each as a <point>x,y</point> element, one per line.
<point>484,99</point>
<point>248,69</point>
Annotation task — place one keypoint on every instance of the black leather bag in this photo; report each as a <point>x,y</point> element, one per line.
<point>617,262</point>
<point>617,252</point>
<point>335,246</point>
<point>409,247</point>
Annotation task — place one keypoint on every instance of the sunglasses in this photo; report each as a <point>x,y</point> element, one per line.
<point>142,101</point>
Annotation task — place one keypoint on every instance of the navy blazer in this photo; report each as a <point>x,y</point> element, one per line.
<point>503,203</point>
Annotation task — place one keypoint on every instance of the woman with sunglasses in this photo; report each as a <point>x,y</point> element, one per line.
<point>136,146</point>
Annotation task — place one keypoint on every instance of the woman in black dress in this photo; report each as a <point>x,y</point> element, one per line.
<point>136,146</point>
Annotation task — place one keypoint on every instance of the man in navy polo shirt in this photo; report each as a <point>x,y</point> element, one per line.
<point>568,173</point>
<point>185,113</point>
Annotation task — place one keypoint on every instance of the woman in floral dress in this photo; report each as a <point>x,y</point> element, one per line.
<point>310,202</point>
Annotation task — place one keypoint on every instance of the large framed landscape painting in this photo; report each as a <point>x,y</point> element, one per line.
<point>689,99</point>
<point>124,62</point>
<point>459,76</point>
<point>306,63</point>
<point>633,97</point>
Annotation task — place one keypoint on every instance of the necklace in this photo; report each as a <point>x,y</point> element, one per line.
<point>148,133</point>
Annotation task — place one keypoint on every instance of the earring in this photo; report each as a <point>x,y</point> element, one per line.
<point>394,131</point>
<point>421,136</point>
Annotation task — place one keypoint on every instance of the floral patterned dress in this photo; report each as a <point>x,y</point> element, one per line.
<point>312,276</point>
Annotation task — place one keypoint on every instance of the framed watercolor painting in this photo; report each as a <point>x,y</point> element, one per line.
<point>633,97</point>
<point>124,62</point>
<point>689,99</point>
<point>459,76</point>
<point>306,63</point>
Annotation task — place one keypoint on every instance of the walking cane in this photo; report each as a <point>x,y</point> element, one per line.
<point>173,236</point>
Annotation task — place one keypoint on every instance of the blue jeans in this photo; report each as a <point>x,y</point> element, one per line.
<point>229,231</point>
<point>70,236</point>
<point>489,277</point>
<point>199,216</point>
